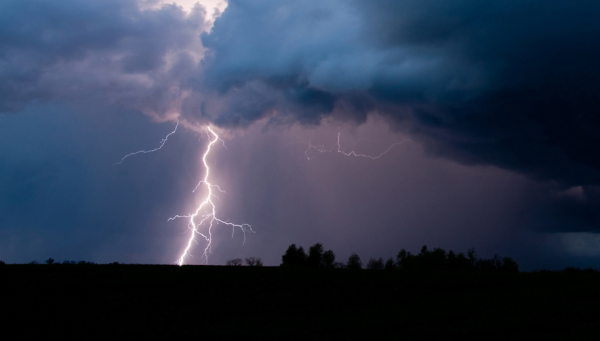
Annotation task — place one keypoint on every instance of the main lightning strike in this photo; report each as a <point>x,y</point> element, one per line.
<point>321,149</point>
<point>162,143</point>
<point>206,211</point>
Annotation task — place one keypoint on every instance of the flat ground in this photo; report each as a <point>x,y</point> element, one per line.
<point>271,302</point>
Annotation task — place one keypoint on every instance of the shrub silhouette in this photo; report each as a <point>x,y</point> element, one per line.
<point>390,265</point>
<point>354,262</point>
<point>49,261</point>
<point>2,262</point>
<point>234,262</point>
<point>252,261</point>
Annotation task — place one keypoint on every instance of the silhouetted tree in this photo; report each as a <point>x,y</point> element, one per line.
<point>434,260</point>
<point>234,262</point>
<point>354,262</point>
<point>49,261</point>
<point>82,262</point>
<point>252,261</point>
<point>451,261</point>
<point>339,265</point>
<point>315,255</point>
<point>2,262</point>
<point>375,264</point>
<point>289,257</point>
<point>509,265</point>
<point>405,260</point>
<point>390,265</point>
<point>458,262</point>
<point>328,259</point>
<point>571,269</point>
<point>472,256</point>
<point>294,257</point>
<point>463,263</point>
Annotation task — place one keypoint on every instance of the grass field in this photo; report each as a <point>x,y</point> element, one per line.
<point>271,302</point>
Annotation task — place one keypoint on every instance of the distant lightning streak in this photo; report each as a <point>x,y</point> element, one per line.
<point>321,149</point>
<point>206,212</point>
<point>162,143</point>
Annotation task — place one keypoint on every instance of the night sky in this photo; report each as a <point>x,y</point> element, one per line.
<point>497,102</point>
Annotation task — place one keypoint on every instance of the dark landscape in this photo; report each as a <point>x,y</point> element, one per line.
<point>290,302</point>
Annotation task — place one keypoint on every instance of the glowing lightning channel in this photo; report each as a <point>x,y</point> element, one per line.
<point>207,205</point>
<point>321,149</point>
<point>162,143</point>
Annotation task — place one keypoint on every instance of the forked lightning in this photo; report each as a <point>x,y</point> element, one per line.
<point>206,211</point>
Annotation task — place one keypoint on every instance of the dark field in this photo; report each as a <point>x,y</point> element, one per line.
<point>270,302</point>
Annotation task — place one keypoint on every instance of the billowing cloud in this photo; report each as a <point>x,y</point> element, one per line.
<point>512,84</point>
<point>109,51</point>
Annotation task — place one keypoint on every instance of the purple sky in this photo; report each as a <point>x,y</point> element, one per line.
<point>502,118</point>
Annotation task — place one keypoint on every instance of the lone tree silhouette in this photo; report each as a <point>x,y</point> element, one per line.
<point>354,262</point>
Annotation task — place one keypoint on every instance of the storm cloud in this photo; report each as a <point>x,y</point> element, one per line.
<point>512,83</point>
<point>508,84</point>
<point>88,51</point>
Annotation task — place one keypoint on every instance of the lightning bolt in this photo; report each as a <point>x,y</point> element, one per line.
<point>321,149</point>
<point>206,211</point>
<point>162,143</point>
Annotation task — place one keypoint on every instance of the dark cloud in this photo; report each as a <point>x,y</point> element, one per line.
<point>512,84</point>
<point>109,51</point>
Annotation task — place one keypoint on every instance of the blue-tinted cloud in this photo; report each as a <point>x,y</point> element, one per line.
<point>511,84</point>
<point>106,51</point>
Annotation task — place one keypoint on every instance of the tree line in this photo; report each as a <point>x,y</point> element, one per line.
<point>433,260</point>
